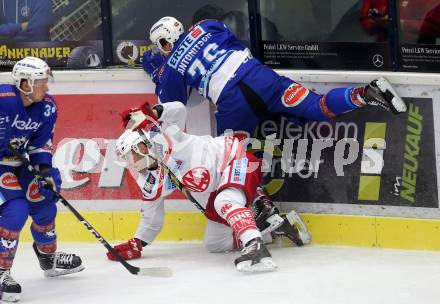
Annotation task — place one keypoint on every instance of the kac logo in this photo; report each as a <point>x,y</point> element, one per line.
<point>127,52</point>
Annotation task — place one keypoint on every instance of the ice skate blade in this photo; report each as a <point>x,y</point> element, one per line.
<point>52,273</point>
<point>163,272</point>
<point>10,297</point>
<point>295,220</point>
<point>399,105</point>
<point>265,265</point>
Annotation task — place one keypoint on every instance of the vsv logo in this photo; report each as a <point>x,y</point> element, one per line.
<point>25,125</point>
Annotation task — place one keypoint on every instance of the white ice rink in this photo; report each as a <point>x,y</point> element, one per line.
<point>312,274</point>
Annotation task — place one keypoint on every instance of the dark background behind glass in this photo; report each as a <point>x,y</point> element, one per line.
<point>419,32</point>
<point>339,34</point>
<point>132,19</point>
<point>407,30</point>
<point>315,20</point>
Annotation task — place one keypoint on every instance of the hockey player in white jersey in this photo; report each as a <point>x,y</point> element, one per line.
<point>217,172</point>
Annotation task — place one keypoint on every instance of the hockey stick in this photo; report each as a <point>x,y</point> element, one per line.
<point>152,271</point>
<point>171,174</point>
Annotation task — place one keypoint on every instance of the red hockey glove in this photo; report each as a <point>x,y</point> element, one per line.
<point>129,250</point>
<point>139,117</point>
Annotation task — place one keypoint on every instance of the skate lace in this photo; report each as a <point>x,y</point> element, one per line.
<point>382,104</point>
<point>65,258</point>
<point>252,247</point>
<point>7,280</point>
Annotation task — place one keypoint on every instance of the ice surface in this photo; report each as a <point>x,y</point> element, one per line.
<point>311,274</point>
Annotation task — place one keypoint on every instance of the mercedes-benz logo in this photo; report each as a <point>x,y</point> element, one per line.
<point>378,60</point>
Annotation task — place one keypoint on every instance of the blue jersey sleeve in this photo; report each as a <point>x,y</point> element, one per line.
<point>172,87</point>
<point>7,109</point>
<point>40,144</point>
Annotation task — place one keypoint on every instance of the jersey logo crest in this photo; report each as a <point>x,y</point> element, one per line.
<point>9,181</point>
<point>197,179</point>
<point>294,95</point>
<point>32,193</point>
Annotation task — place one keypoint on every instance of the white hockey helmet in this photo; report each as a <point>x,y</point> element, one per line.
<point>30,69</point>
<point>167,28</point>
<point>129,142</point>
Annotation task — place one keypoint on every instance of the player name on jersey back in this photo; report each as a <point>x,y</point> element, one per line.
<point>188,49</point>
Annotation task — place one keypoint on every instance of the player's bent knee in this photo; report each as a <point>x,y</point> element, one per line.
<point>44,216</point>
<point>14,214</point>
<point>218,237</point>
<point>219,246</point>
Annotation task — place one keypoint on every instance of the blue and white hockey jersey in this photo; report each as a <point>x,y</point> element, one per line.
<point>206,58</point>
<point>212,60</point>
<point>31,128</point>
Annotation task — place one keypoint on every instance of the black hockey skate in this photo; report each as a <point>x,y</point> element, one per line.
<point>266,214</point>
<point>269,220</point>
<point>255,258</point>
<point>294,229</point>
<point>10,289</point>
<point>59,263</point>
<point>379,92</point>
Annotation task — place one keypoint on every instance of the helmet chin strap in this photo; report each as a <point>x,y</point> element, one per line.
<point>146,163</point>
<point>29,98</point>
<point>27,95</point>
<point>159,46</point>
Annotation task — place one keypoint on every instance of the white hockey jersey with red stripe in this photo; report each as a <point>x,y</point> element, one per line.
<point>197,161</point>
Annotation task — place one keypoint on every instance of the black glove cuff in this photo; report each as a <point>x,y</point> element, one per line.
<point>43,167</point>
<point>142,242</point>
<point>159,110</point>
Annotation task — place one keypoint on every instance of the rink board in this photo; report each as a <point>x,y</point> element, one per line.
<point>326,229</point>
<point>104,190</point>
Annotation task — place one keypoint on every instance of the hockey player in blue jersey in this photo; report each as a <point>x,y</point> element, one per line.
<point>27,121</point>
<point>211,60</point>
